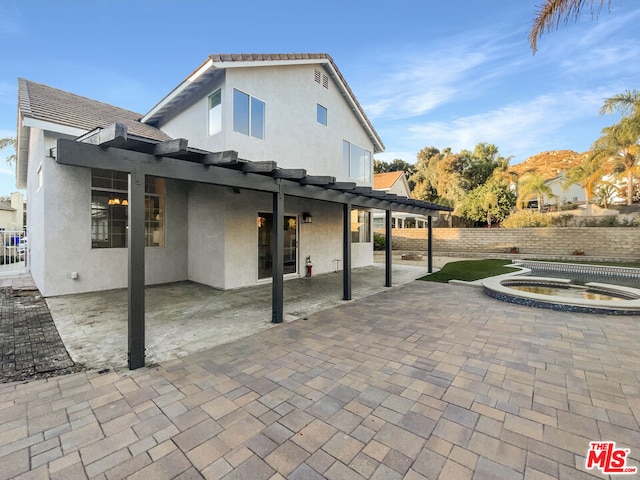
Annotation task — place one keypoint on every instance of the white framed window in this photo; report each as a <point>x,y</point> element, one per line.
<point>110,209</point>
<point>356,162</point>
<point>248,115</point>
<point>215,112</point>
<point>321,115</point>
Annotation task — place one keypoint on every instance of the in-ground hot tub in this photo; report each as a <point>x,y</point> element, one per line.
<point>561,294</point>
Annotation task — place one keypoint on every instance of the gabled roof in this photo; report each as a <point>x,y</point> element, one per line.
<point>41,102</point>
<point>384,181</point>
<point>217,62</point>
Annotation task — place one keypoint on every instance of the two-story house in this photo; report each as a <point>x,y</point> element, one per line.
<point>195,189</point>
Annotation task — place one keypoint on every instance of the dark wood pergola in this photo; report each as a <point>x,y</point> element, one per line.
<point>112,148</point>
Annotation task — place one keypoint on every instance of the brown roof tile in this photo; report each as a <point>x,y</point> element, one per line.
<point>383,181</point>
<point>45,103</point>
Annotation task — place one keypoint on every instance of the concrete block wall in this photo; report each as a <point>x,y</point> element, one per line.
<point>623,242</point>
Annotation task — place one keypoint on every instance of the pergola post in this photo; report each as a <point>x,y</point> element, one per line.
<point>136,244</point>
<point>388,260</point>
<point>429,245</point>
<point>277,258</point>
<point>346,251</point>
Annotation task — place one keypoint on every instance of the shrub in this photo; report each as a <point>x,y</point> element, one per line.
<point>379,241</point>
<point>526,219</point>
<point>561,220</point>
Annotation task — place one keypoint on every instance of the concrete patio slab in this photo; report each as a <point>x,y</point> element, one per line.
<point>422,381</point>
<point>185,317</point>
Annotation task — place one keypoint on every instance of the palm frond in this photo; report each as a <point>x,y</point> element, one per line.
<point>553,12</point>
<point>627,103</point>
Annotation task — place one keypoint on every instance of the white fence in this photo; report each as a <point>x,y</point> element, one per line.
<point>13,251</point>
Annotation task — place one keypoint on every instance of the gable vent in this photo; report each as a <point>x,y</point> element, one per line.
<point>321,78</point>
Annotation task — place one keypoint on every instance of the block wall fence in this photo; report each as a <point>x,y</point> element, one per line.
<point>623,242</point>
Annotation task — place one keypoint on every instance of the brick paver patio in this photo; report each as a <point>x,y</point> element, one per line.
<point>423,381</point>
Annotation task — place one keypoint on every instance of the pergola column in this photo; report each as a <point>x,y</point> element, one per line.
<point>136,243</point>
<point>388,260</point>
<point>277,258</point>
<point>429,245</point>
<point>346,251</point>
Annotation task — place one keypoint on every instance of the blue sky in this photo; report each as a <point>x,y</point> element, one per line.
<point>443,74</point>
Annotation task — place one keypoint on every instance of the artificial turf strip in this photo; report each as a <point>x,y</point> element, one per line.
<point>470,270</point>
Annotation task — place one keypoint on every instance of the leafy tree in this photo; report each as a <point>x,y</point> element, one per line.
<point>9,142</point>
<point>489,202</point>
<point>619,145</point>
<point>552,12</point>
<point>533,185</point>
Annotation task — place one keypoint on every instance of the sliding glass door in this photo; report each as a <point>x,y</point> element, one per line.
<point>290,239</point>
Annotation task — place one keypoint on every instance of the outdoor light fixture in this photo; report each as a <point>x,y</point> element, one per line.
<point>306,217</point>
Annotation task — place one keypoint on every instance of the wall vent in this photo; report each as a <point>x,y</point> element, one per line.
<point>321,78</point>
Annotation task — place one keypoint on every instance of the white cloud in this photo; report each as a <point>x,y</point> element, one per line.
<point>517,128</point>
<point>417,82</point>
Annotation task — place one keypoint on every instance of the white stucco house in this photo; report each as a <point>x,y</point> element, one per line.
<point>251,167</point>
<point>293,109</point>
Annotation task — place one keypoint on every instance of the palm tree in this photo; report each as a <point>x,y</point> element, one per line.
<point>8,142</point>
<point>533,185</point>
<point>618,145</point>
<point>552,12</point>
<point>627,104</point>
<point>588,175</point>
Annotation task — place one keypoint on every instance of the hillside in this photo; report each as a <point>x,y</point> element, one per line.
<point>550,164</point>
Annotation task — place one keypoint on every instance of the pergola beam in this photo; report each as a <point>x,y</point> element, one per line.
<point>171,148</point>
<point>228,157</point>
<point>115,135</point>
<point>259,167</point>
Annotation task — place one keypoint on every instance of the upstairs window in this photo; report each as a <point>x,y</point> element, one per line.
<point>356,162</point>
<point>321,115</point>
<point>215,112</point>
<point>248,115</point>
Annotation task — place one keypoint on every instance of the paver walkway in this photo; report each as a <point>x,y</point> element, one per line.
<point>423,381</point>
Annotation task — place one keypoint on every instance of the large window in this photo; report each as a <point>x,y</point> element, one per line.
<point>360,226</point>
<point>248,115</point>
<point>356,162</point>
<point>110,209</point>
<point>215,112</point>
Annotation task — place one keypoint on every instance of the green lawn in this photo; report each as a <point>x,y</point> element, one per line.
<point>470,270</point>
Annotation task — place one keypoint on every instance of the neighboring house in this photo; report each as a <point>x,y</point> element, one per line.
<point>395,183</point>
<point>12,213</point>
<point>296,110</point>
<point>572,194</point>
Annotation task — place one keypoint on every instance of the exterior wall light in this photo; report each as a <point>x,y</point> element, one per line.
<point>307,217</point>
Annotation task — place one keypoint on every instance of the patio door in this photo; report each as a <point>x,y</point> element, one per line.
<point>290,238</point>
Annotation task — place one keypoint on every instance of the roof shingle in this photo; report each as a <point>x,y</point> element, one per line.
<point>45,103</point>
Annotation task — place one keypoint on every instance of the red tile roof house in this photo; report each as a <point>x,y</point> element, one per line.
<point>395,183</point>
<point>248,167</point>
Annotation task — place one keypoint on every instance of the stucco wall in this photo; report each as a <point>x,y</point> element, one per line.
<point>63,237</point>
<point>595,241</point>
<point>293,136</point>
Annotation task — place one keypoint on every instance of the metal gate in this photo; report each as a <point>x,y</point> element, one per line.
<point>13,251</point>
